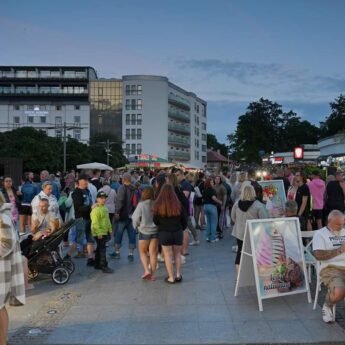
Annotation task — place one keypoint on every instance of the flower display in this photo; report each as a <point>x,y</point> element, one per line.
<point>270,190</point>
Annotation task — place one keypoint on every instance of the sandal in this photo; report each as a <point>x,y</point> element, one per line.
<point>178,279</point>
<point>168,281</point>
<point>146,276</point>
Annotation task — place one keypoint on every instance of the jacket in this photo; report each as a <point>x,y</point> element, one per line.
<point>124,201</point>
<point>100,222</point>
<point>255,211</point>
<point>29,190</point>
<point>142,218</point>
<point>82,203</point>
<point>111,199</point>
<point>53,203</point>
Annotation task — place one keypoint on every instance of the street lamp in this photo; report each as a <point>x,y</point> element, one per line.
<point>107,145</point>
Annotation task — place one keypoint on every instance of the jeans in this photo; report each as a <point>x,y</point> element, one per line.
<point>100,257</point>
<point>121,226</point>
<point>212,220</point>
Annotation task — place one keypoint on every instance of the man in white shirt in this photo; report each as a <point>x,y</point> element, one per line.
<point>329,248</point>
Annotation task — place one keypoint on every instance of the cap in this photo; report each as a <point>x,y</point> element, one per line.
<point>102,195</point>
<point>83,177</point>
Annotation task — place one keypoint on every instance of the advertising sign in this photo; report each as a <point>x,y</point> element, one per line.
<point>274,197</point>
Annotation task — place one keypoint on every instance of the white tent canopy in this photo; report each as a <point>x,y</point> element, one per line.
<point>95,166</point>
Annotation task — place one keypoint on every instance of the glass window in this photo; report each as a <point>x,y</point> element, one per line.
<point>203,125</point>
<point>16,107</point>
<point>128,104</point>
<point>139,104</point>
<point>58,107</point>
<point>133,133</point>
<point>128,90</point>
<point>133,104</point>
<point>58,133</point>
<point>139,119</point>
<point>139,89</point>
<point>139,133</point>
<point>43,119</point>
<point>100,119</point>
<point>77,107</point>
<point>77,134</point>
<point>128,133</point>
<point>30,119</point>
<point>204,159</point>
<point>138,149</point>
<point>133,89</point>
<point>16,120</point>
<point>58,120</point>
<point>133,149</point>
<point>128,119</point>
<point>203,148</point>
<point>55,74</point>
<point>133,119</point>
<point>128,148</point>
<point>76,119</point>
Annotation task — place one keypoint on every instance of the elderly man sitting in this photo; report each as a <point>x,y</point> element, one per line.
<point>329,248</point>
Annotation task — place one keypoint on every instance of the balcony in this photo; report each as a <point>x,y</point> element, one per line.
<point>179,101</point>
<point>178,155</point>
<point>42,92</point>
<point>42,75</point>
<point>179,115</point>
<point>175,127</point>
<point>177,141</point>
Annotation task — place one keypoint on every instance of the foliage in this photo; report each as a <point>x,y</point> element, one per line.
<point>212,143</point>
<point>335,122</point>
<point>265,127</point>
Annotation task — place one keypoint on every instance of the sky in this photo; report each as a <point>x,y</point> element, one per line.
<point>229,53</point>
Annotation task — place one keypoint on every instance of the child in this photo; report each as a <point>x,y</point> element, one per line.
<point>101,230</point>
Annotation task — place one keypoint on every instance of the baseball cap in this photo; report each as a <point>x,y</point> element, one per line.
<point>102,195</point>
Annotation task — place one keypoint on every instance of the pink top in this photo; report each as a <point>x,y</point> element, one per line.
<point>14,210</point>
<point>317,190</point>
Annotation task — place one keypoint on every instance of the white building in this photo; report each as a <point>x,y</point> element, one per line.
<point>161,119</point>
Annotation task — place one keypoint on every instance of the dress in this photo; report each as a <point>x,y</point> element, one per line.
<point>12,286</point>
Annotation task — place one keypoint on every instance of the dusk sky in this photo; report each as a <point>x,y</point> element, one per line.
<point>229,53</point>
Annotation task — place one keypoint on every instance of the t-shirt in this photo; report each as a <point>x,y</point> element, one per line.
<point>335,196</point>
<point>324,239</point>
<point>44,220</point>
<point>207,195</point>
<point>317,190</point>
<point>301,192</point>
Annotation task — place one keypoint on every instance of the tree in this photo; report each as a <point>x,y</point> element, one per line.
<point>335,122</point>
<point>212,143</point>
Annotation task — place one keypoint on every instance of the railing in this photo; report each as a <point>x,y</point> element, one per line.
<point>40,92</point>
<point>13,75</point>
<point>173,140</point>
<point>179,101</point>
<point>177,114</point>
<point>178,155</point>
<point>179,128</point>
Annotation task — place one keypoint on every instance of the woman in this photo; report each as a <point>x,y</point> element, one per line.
<point>221,194</point>
<point>11,196</point>
<point>199,213</point>
<point>11,268</point>
<point>171,219</point>
<point>211,202</point>
<point>142,219</point>
<point>291,194</point>
<point>246,208</point>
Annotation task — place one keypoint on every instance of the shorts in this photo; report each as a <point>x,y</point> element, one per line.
<point>333,277</point>
<point>148,237</point>
<point>169,238</point>
<point>77,236</point>
<point>25,210</point>
<point>317,214</point>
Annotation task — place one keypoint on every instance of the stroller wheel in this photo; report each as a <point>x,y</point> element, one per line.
<point>32,273</point>
<point>60,275</point>
<point>69,265</point>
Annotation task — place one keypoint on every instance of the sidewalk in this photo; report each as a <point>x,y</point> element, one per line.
<point>95,308</point>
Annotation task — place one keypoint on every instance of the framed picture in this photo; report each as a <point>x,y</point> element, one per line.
<point>274,197</point>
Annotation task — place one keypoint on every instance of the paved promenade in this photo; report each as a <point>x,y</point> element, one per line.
<point>95,308</point>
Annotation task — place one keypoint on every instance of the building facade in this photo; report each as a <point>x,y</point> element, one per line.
<point>161,119</point>
<point>48,98</point>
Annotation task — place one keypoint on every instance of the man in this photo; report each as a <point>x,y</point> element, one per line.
<point>329,248</point>
<point>258,189</point>
<point>303,201</point>
<point>124,208</point>
<point>82,203</point>
<point>291,208</point>
<point>280,176</point>
<point>317,190</point>
<point>46,193</point>
<point>96,179</point>
<point>335,192</point>
<point>44,177</point>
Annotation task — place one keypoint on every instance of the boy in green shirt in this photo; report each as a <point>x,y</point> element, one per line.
<point>101,229</point>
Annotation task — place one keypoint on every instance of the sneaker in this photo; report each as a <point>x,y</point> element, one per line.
<point>130,257</point>
<point>216,240</point>
<point>90,262</point>
<point>183,259</point>
<point>160,258</point>
<point>327,314</point>
<point>115,255</point>
<point>235,248</point>
<point>195,243</point>
<point>208,240</point>
<point>107,270</point>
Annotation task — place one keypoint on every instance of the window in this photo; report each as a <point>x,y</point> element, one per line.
<point>203,148</point>
<point>133,133</point>
<point>197,143</point>
<point>133,104</point>
<point>133,119</point>
<point>203,137</point>
<point>133,89</point>
<point>128,148</point>
<point>100,120</point>
<point>128,133</point>
<point>139,133</point>
<point>16,107</point>
<point>133,149</point>
<point>128,104</point>
<point>196,155</point>
<point>203,158</point>
<point>76,119</point>
<point>100,91</point>
<point>58,120</point>
<point>203,125</point>
<point>43,119</point>
<point>58,107</point>
<point>139,119</point>
<point>30,119</point>
<point>139,89</point>
<point>128,91</point>
<point>16,120</point>
<point>77,107</point>
<point>58,133</point>
<point>197,108</point>
<point>128,119</point>
<point>138,149</point>
<point>77,134</point>
<point>139,104</point>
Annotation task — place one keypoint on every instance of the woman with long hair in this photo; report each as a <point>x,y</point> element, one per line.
<point>142,219</point>
<point>171,219</point>
<point>11,196</point>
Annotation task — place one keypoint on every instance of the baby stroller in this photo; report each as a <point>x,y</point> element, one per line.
<point>45,257</point>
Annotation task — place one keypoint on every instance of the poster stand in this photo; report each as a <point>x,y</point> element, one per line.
<point>248,274</point>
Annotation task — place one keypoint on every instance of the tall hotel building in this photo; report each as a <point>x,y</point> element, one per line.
<point>149,113</point>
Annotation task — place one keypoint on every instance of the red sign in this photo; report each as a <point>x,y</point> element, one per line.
<point>278,159</point>
<point>298,153</point>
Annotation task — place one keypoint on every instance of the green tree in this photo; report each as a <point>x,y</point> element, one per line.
<point>212,143</point>
<point>335,122</point>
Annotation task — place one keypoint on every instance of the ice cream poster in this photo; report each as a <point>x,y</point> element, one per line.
<point>278,256</point>
<point>274,197</point>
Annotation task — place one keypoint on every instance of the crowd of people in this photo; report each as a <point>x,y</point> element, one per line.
<point>160,210</point>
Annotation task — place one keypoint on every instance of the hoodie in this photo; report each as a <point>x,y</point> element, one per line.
<point>244,205</point>
<point>124,201</point>
<point>317,191</point>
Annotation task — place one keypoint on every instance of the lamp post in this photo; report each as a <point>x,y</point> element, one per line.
<point>107,146</point>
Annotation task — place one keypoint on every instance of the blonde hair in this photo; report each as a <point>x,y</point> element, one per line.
<point>248,193</point>
<point>242,177</point>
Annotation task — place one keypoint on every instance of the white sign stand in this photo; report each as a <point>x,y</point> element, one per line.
<point>248,274</point>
